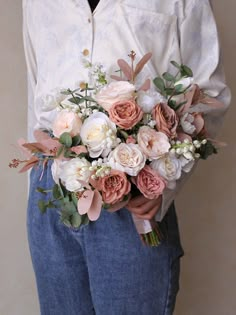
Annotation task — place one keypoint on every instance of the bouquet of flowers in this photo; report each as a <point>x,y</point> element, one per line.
<point>112,140</point>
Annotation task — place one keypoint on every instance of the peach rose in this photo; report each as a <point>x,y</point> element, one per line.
<point>125,114</point>
<point>150,184</point>
<point>114,187</point>
<point>114,92</point>
<point>166,119</point>
<point>153,144</point>
<point>66,122</point>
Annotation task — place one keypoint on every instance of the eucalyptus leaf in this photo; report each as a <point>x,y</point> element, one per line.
<point>168,77</point>
<point>76,140</point>
<point>175,64</point>
<point>41,190</point>
<point>76,220</point>
<point>66,139</point>
<point>187,71</point>
<point>42,206</point>
<point>56,192</point>
<point>159,83</point>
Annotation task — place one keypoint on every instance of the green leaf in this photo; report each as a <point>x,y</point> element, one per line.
<point>60,150</point>
<point>169,91</point>
<point>56,192</point>
<point>172,104</point>
<point>76,220</point>
<point>85,219</point>
<point>42,206</point>
<point>75,100</point>
<point>74,199</point>
<point>168,77</point>
<point>159,83</point>
<point>41,190</point>
<point>206,150</point>
<point>175,64</point>
<point>50,205</point>
<point>179,88</point>
<point>76,140</point>
<point>66,139</point>
<point>186,71</point>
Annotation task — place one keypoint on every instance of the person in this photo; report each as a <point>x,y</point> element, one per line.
<point>103,268</point>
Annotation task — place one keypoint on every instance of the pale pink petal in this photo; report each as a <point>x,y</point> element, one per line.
<point>181,136</point>
<point>85,201</point>
<point>79,149</point>
<point>198,123</point>
<point>25,151</point>
<point>96,206</point>
<point>146,85</point>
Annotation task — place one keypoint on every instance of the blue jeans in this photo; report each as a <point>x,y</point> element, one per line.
<point>102,268</point>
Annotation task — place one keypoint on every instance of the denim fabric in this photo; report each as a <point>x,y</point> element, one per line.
<point>102,268</point>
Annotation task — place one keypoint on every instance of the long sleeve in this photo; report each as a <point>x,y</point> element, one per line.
<point>199,45</point>
<point>31,70</point>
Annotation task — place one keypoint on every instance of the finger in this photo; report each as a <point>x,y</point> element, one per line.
<point>149,215</point>
<point>145,208</point>
<point>137,201</point>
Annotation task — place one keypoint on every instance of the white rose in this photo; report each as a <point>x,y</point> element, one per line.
<point>53,99</point>
<point>168,167</point>
<point>147,100</point>
<point>98,133</point>
<point>56,169</point>
<point>187,164</point>
<point>185,82</point>
<point>127,158</point>
<point>114,92</point>
<point>186,122</point>
<point>75,173</point>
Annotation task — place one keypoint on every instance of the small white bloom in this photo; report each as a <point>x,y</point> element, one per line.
<point>148,100</point>
<point>52,101</point>
<point>56,169</point>
<point>74,172</point>
<point>186,122</point>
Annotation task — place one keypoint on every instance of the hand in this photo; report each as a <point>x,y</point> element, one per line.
<point>144,208</point>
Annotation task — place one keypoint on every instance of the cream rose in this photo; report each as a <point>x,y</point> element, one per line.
<point>153,144</point>
<point>127,158</point>
<point>75,174</point>
<point>114,92</point>
<point>98,133</point>
<point>168,167</point>
<point>66,122</point>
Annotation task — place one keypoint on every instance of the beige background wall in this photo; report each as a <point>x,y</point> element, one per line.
<point>206,207</point>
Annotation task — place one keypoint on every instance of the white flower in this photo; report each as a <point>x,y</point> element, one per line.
<point>127,158</point>
<point>56,169</point>
<point>52,100</point>
<point>148,100</point>
<point>186,122</point>
<point>168,167</point>
<point>75,173</point>
<point>185,82</point>
<point>114,92</point>
<point>66,121</point>
<point>187,165</point>
<point>98,133</point>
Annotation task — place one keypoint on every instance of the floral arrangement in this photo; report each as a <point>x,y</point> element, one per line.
<point>113,140</point>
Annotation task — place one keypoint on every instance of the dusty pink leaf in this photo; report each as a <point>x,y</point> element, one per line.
<point>29,164</point>
<point>125,67</point>
<point>96,206</point>
<point>41,135</point>
<point>146,85</point>
<point>141,63</point>
<point>35,147</point>
<point>115,77</point>
<point>85,201</point>
<point>79,149</point>
<point>212,102</point>
<point>52,145</point>
<point>25,151</point>
<point>198,123</point>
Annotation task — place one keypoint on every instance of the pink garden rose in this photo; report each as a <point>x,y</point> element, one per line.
<point>166,119</point>
<point>114,187</point>
<point>125,114</point>
<point>66,122</point>
<point>114,92</point>
<point>153,144</point>
<point>150,184</point>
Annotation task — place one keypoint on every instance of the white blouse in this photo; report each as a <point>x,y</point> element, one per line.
<point>56,32</point>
